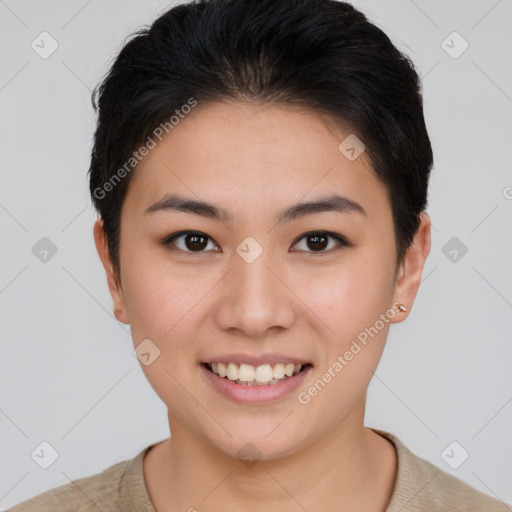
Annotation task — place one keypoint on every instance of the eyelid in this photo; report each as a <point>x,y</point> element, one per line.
<point>342,241</point>
<point>167,240</point>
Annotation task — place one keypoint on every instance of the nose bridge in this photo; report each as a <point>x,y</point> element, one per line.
<point>253,256</point>
<point>255,283</point>
<point>257,299</point>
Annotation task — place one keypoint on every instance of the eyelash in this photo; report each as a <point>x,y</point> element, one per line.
<point>343,242</point>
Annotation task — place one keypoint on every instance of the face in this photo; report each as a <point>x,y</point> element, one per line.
<point>251,284</point>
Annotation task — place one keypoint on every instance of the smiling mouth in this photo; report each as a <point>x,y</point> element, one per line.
<point>263,375</point>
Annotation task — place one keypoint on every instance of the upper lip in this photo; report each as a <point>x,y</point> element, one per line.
<point>255,360</point>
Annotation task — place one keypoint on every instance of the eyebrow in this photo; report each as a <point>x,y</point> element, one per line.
<point>333,203</point>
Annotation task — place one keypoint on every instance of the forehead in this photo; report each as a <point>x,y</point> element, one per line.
<point>251,156</point>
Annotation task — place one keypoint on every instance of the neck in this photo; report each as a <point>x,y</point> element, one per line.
<point>348,468</point>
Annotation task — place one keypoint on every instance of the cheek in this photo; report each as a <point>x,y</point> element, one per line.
<point>350,295</point>
<point>154,292</point>
<point>355,308</point>
<point>161,307</point>
<point>158,304</point>
<point>350,300</point>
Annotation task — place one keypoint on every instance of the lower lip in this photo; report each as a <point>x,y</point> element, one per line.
<point>255,394</point>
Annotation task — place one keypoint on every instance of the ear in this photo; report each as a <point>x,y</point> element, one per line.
<point>114,284</point>
<point>409,274</point>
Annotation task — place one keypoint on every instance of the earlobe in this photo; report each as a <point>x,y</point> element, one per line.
<point>409,275</point>
<point>114,285</point>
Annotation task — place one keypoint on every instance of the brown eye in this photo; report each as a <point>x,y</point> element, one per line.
<point>188,241</point>
<point>317,241</point>
<point>195,241</point>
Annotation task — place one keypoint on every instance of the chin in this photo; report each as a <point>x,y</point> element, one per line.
<point>263,442</point>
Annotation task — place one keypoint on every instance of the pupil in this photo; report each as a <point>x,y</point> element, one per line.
<point>195,242</point>
<point>319,241</point>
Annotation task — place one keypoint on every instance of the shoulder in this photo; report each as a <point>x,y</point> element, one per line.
<point>434,488</point>
<point>101,491</point>
<point>421,486</point>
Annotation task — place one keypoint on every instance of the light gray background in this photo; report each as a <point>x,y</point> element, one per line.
<point>68,373</point>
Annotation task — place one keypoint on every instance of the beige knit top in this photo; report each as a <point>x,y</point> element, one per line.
<point>420,486</point>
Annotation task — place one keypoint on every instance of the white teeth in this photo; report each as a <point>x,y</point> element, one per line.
<point>279,371</point>
<point>223,370</point>
<point>264,373</point>
<point>288,369</point>
<point>261,375</point>
<point>246,373</point>
<point>232,371</point>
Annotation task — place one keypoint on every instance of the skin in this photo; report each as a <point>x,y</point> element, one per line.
<point>255,161</point>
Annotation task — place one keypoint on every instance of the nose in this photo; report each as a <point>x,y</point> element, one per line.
<point>255,298</point>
